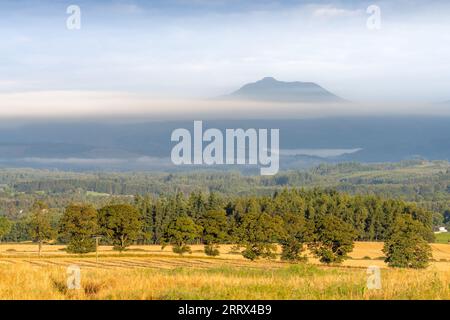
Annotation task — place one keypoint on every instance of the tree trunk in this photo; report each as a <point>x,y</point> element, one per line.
<point>122,241</point>
<point>40,247</point>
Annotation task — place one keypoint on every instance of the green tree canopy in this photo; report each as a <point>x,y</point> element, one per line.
<point>298,232</point>
<point>259,233</point>
<point>40,224</point>
<point>147,213</point>
<point>333,239</point>
<point>79,225</point>
<point>215,230</point>
<point>5,227</point>
<point>405,246</point>
<point>181,232</point>
<point>121,224</point>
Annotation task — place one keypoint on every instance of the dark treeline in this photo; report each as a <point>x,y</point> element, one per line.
<point>325,220</point>
<point>370,216</point>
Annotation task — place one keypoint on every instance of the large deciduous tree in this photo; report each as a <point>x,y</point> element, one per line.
<point>79,225</point>
<point>298,232</point>
<point>121,224</point>
<point>259,232</point>
<point>333,239</point>
<point>405,246</point>
<point>215,230</point>
<point>40,224</point>
<point>180,232</point>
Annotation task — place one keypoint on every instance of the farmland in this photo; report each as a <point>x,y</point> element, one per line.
<point>336,204</point>
<point>147,272</point>
<point>443,237</point>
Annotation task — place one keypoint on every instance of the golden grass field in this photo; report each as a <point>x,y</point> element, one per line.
<point>147,272</point>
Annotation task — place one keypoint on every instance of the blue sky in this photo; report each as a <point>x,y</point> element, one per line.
<point>204,48</point>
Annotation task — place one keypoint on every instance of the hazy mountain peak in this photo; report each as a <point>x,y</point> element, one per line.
<point>268,79</point>
<point>271,89</point>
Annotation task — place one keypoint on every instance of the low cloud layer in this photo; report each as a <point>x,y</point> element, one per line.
<point>120,105</point>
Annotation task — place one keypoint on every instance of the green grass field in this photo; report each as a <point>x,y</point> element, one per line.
<point>442,237</point>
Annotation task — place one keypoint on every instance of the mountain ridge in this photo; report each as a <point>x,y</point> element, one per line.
<point>271,89</point>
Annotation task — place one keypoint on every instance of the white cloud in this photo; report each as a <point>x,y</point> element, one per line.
<point>332,12</point>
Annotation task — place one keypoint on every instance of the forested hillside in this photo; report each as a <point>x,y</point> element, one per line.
<point>422,182</point>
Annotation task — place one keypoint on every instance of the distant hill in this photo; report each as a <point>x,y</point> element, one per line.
<point>270,89</point>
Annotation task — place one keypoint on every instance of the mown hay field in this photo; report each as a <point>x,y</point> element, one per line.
<point>147,272</point>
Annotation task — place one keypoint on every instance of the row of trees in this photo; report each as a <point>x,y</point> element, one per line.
<point>325,222</point>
